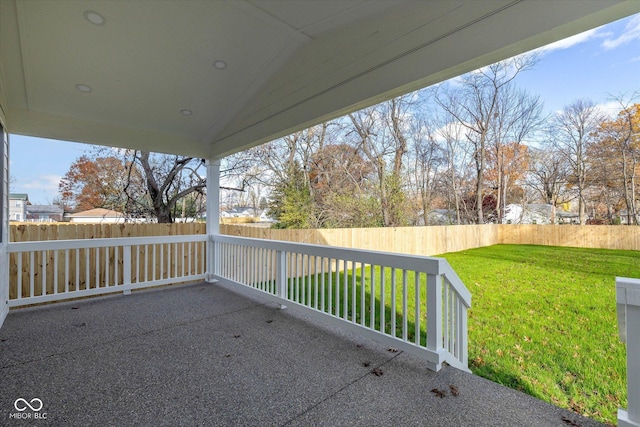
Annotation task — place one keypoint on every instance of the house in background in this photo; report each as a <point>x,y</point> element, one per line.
<point>97,215</point>
<point>627,218</point>
<point>537,213</point>
<point>44,213</point>
<point>18,206</point>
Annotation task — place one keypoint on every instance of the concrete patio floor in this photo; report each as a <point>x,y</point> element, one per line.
<point>206,355</point>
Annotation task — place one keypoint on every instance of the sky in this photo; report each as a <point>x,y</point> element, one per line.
<point>596,65</point>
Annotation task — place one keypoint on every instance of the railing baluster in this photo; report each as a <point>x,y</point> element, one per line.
<point>417,308</point>
<point>372,297</point>
<point>405,309</point>
<point>345,289</point>
<point>322,284</point>
<point>308,278</point>
<point>32,274</point>
<point>362,295</point>
<point>393,302</point>
<point>336,300</point>
<point>446,316</point>
<point>354,302</point>
<point>383,309</point>
<point>77,269</point>
<point>66,270</point>
<point>97,268</point>
<point>55,272</point>
<point>19,257</point>
<point>107,266</point>
<point>87,272</point>
<point>43,284</point>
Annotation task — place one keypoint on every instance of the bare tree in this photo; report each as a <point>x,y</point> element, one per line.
<point>547,176</point>
<point>168,179</point>
<point>381,135</point>
<point>482,102</point>
<point>571,132</point>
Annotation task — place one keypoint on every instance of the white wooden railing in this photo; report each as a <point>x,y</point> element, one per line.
<point>628,308</point>
<point>59,269</point>
<point>412,303</point>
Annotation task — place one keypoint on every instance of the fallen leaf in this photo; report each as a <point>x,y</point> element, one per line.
<point>366,364</point>
<point>377,372</point>
<point>454,390</point>
<point>269,321</point>
<point>392,350</point>
<point>569,421</point>
<point>236,336</point>
<point>438,392</point>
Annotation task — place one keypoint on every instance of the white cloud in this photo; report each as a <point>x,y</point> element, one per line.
<point>570,41</point>
<point>631,33</point>
<point>43,182</point>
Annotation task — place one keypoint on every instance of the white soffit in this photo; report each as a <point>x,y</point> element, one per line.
<point>208,78</point>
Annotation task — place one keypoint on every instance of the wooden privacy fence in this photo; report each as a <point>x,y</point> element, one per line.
<point>33,232</point>
<point>437,240</point>
<point>426,241</point>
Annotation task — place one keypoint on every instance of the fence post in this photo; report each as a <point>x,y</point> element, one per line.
<point>628,307</point>
<point>281,276</point>
<point>126,269</point>
<point>434,316</point>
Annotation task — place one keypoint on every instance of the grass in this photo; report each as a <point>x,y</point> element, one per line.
<point>544,321</point>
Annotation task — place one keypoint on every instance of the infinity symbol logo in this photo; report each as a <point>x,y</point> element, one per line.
<point>21,404</point>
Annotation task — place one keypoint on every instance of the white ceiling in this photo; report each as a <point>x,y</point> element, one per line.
<point>290,64</point>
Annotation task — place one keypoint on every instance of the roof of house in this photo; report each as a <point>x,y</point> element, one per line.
<point>45,209</point>
<point>97,213</point>
<point>18,196</point>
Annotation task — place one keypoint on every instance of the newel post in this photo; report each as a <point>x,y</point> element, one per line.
<point>126,269</point>
<point>628,308</point>
<point>281,276</point>
<point>213,214</point>
<point>434,316</point>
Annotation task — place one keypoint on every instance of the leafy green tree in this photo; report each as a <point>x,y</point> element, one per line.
<point>291,201</point>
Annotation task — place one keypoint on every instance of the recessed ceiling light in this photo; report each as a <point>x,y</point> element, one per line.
<point>220,65</point>
<point>186,112</point>
<point>94,17</point>
<point>83,88</point>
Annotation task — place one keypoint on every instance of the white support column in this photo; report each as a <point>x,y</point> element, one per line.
<point>213,213</point>
<point>628,307</point>
<point>4,222</point>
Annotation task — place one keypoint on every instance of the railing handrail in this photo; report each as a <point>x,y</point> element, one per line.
<point>423,264</point>
<point>283,271</point>
<point>102,242</point>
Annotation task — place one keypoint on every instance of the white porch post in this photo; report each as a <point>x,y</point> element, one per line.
<point>628,307</point>
<point>213,213</point>
<point>4,223</point>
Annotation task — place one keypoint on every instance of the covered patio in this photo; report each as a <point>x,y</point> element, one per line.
<point>209,79</point>
<point>204,354</point>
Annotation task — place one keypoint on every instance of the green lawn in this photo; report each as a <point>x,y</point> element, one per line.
<point>544,321</point>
